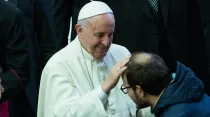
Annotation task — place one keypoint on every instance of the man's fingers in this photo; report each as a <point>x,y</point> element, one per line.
<point>122,70</point>
<point>124,62</point>
<point>120,67</point>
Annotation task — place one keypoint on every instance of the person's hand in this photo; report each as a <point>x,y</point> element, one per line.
<point>0,94</point>
<point>114,75</point>
<point>1,88</point>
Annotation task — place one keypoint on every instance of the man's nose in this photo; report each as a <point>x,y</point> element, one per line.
<point>106,41</point>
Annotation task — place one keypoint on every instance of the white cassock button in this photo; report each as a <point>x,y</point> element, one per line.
<point>113,112</point>
<point>110,103</point>
<point>103,79</point>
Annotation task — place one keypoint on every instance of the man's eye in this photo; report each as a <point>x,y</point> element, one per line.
<point>99,36</point>
<point>110,35</point>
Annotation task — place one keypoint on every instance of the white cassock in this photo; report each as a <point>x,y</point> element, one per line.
<point>71,80</point>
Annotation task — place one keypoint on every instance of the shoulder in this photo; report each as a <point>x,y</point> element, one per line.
<point>8,10</point>
<point>119,50</point>
<point>118,47</point>
<point>192,109</point>
<point>64,56</point>
<point>10,15</point>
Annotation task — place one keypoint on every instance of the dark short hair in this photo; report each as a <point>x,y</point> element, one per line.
<point>152,76</point>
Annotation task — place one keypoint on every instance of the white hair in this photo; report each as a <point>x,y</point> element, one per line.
<point>83,22</point>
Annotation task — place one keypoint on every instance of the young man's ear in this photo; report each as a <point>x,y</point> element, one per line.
<point>140,91</point>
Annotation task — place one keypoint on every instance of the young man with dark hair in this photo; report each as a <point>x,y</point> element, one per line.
<point>149,83</point>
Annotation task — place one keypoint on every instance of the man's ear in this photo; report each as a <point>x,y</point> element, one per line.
<point>140,91</point>
<point>79,29</point>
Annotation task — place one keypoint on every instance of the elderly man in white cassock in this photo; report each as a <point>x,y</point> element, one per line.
<point>84,78</point>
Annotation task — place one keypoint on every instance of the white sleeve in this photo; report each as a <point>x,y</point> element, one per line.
<point>59,97</point>
<point>103,96</point>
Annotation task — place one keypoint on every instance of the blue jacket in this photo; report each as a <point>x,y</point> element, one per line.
<point>184,97</point>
